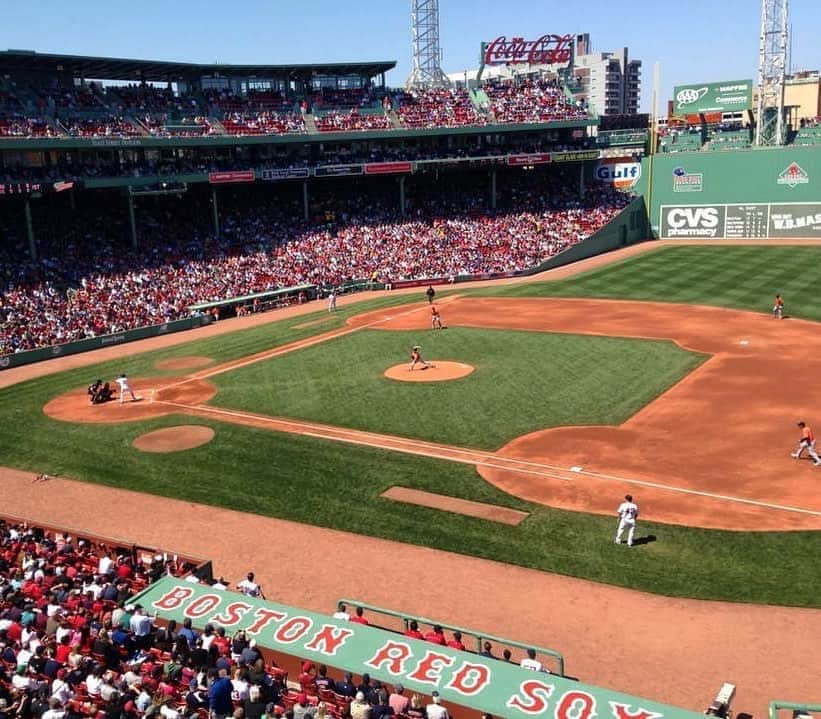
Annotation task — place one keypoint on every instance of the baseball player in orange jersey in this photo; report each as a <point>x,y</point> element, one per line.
<point>778,308</point>
<point>435,318</point>
<point>807,442</point>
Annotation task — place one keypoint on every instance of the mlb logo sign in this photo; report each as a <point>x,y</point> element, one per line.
<point>622,174</point>
<point>793,175</point>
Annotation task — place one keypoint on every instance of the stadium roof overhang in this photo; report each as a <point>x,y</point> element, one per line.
<point>112,68</point>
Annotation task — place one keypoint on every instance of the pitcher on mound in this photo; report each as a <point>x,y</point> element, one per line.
<point>416,358</point>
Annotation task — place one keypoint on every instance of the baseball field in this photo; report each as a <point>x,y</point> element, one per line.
<point>662,375</point>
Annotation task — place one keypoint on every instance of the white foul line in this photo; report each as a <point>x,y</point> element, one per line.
<point>286,349</point>
<point>409,446</point>
<point>481,458</point>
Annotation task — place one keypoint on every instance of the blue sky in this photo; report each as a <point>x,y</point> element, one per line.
<point>699,41</point>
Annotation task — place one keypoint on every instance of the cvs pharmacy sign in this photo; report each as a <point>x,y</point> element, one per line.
<point>622,174</point>
<point>692,221</point>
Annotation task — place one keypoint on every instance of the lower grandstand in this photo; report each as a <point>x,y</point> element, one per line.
<point>87,279</point>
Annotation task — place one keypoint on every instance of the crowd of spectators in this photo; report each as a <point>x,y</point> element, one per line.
<point>75,645</point>
<point>124,111</point>
<point>438,107</point>
<point>101,126</point>
<point>70,643</point>
<point>336,121</point>
<point>263,123</point>
<point>90,282</point>
<point>530,101</point>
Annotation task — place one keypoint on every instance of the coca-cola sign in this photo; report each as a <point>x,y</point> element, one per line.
<point>547,50</point>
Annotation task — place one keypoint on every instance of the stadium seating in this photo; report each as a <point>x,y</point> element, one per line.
<point>729,138</point>
<point>438,107</point>
<point>809,134</point>
<point>530,101</point>
<point>86,283</point>
<point>680,141</point>
<point>336,121</point>
<point>127,110</point>
<point>73,645</point>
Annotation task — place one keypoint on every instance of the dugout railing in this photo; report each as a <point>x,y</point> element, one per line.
<point>400,622</point>
<point>797,708</point>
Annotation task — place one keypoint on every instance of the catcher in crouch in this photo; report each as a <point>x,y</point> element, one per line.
<point>416,358</point>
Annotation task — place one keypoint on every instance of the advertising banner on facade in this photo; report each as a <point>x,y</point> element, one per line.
<point>731,96</point>
<point>545,50</point>
<point>532,159</point>
<point>388,168</point>
<point>285,173</point>
<point>621,172</point>
<point>219,178</point>
<point>575,156</point>
<point>337,170</point>
<point>485,684</point>
<point>794,220</point>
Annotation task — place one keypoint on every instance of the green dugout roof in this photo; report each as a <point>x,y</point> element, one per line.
<point>487,685</point>
<point>270,295</point>
<point>130,70</point>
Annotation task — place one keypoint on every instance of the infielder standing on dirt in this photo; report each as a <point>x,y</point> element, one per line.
<point>807,442</point>
<point>778,307</point>
<point>332,302</point>
<point>628,514</point>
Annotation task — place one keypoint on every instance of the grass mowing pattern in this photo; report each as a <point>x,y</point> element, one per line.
<point>556,380</point>
<point>333,485</point>
<point>741,277</point>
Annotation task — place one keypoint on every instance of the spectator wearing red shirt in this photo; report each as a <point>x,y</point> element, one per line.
<point>436,636</point>
<point>358,618</point>
<point>413,630</point>
<point>456,642</point>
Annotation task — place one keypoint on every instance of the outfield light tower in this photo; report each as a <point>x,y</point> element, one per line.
<point>772,69</point>
<point>427,72</point>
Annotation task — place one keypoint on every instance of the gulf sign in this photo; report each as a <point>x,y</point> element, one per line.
<point>481,683</point>
<point>621,173</point>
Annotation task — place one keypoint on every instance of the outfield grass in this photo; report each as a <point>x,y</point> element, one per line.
<point>741,277</point>
<point>334,485</point>
<point>523,382</point>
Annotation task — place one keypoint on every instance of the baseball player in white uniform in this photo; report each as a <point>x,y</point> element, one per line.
<point>125,386</point>
<point>332,301</point>
<point>628,514</point>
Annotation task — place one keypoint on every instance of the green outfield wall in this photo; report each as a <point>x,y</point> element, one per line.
<point>757,193</point>
<point>92,343</point>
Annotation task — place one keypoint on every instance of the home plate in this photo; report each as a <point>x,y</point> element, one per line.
<point>577,469</point>
<point>744,343</point>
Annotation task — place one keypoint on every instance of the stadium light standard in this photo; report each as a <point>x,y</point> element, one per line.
<point>427,55</point>
<point>772,68</point>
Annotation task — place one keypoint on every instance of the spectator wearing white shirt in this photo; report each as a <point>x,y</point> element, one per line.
<point>249,587</point>
<point>530,662</point>
<point>435,710</point>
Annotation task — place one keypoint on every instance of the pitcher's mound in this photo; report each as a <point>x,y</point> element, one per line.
<point>439,371</point>
<point>174,439</point>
